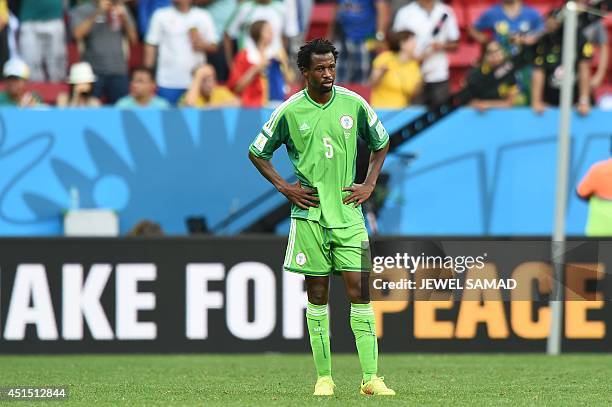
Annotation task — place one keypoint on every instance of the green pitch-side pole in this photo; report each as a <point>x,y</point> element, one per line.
<point>553,345</point>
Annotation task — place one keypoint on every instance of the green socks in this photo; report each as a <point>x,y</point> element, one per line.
<point>364,328</point>
<point>318,328</point>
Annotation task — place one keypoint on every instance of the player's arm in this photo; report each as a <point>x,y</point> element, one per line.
<point>302,197</point>
<point>273,134</point>
<point>361,192</point>
<point>377,159</point>
<point>371,130</point>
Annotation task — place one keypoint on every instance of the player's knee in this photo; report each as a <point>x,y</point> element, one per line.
<point>354,292</point>
<point>317,295</point>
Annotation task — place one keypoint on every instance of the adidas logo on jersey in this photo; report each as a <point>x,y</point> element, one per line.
<point>304,127</point>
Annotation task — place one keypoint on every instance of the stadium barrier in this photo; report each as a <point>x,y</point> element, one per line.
<point>475,174</point>
<point>230,295</point>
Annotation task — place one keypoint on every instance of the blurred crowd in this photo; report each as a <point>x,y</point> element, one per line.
<point>217,53</point>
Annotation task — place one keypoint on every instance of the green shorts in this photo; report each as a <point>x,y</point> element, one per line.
<point>315,250</point>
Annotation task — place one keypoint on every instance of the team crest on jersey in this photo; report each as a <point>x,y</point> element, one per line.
<point>300,259</point>
<point>346,122</point>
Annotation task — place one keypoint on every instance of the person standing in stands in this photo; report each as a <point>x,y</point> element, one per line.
<point>548,71</point>
<point>512,24</point>
<point>101,25</point>
<point>42,39</point>
<point>596,188</point>
<point>146,8</point>
<point>435,27</point>
<point>178,39</point>
<point>358,22</point>
<point>396,76</point>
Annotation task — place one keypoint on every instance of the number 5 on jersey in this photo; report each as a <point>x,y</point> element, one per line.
<point>329,149</point>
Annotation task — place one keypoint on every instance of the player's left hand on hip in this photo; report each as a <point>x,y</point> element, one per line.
<point>359,194</point>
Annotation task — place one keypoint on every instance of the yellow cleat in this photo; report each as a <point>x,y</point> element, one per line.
<point>376,387</point>
<point>324,387</point>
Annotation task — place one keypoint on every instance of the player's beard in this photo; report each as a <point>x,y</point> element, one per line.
<point>326,88</point>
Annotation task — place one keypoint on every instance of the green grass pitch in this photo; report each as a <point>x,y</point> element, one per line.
<point>288,379</point>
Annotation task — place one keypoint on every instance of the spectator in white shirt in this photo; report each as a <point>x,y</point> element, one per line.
<point>179,37</point>
<point>436,31</point>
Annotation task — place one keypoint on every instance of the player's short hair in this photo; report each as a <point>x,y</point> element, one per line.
<point>396,39</point>
<point>145,70</point>
<point>318,46</point>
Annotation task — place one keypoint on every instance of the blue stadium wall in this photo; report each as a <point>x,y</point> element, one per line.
<point>476,174</point>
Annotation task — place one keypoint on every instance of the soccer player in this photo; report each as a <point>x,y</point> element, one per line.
<point>319,127</point>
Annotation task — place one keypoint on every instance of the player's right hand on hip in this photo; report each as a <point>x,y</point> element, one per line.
<point>302,197</point>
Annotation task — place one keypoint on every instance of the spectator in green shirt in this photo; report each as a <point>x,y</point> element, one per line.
<point>17,73</point>
<point>42,39</point>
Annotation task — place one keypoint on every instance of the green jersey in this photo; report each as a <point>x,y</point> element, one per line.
<point>321,141</point>
<point>41,10</point>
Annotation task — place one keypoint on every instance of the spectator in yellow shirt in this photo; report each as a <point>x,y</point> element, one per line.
<point>205,92</point>
<point>396,76</point>
<point>4,33</point>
